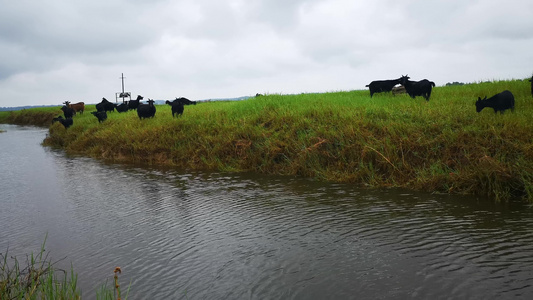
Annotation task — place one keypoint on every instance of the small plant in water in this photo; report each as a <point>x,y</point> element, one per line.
<point>112,294</point>
<point>117,286</point>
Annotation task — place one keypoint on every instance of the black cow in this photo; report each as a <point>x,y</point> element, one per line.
<point>123,107</point>
<point>101,115</point>
<point>177,107</point>
<point>105,105</point>
<point>133,104</point>
<point>146,110</point>
<point>380,86</point>
<point>65,122</point>
<point>185,101</point>
<point>417,88</point>
<point>68,112</point>
<point>498,102</point>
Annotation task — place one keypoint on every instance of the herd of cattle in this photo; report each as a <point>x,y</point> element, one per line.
<point>144,110</point>
<point>499,102</point>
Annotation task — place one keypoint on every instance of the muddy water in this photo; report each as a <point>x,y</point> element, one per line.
<point>194,235</point>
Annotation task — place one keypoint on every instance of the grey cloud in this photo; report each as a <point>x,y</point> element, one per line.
<point>457,22</point>
<point>36,35</point>
<point>220,21</point>
<point>211,48</point>
<point>352,34</point>
<point>66,28</point>
<point>280,14</point>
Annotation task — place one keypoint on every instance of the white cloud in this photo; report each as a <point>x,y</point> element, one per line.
<point>57,50</point>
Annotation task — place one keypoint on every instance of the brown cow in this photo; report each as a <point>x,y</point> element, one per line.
<point>77,107</point>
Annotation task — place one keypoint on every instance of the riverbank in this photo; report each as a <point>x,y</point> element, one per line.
<point>386,141</point>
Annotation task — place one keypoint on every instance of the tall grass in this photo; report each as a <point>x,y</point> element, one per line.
<point>38,278</point>
<point>386,141</point>
<point>38,117</point>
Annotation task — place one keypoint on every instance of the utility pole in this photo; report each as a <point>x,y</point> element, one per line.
<point>122,77</point>
<point>123,94</point>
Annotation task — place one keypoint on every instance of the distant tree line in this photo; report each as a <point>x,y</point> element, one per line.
<point>454,83</point>
<point>23,107</point>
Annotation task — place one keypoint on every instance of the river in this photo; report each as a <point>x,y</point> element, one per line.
<point>181,234</point>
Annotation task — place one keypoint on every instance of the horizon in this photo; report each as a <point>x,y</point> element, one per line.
<point>8,108</point>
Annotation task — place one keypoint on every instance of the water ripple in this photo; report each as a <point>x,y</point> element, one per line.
<point>233,236</point>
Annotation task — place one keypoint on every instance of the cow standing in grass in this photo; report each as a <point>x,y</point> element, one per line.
<point>105,105</point>
<point>68,112</point>
<point>100,115</point>
<point>177,107</point>
<point>185,101</point>
<point>133,104</point>
<point>417,88</point>
<point>380,86</point>
<point>77,107</point>
<point>65,122</point>
<point>123,107</point>
<point>146,110</point>
<point>499,102</point>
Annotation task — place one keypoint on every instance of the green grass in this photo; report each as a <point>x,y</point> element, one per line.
<point>386,141</point>
<point>36,116</point>
<point>39,278</point>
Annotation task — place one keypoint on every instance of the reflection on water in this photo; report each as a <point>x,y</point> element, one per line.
<point>195,235</point>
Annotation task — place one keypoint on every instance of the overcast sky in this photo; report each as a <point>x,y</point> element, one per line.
<point>76,50</point>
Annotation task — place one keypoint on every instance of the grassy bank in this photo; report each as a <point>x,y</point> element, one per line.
<point>37,116</point>
<point>386,141</point>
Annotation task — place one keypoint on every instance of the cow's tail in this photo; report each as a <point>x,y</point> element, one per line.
<point>432,83</point>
